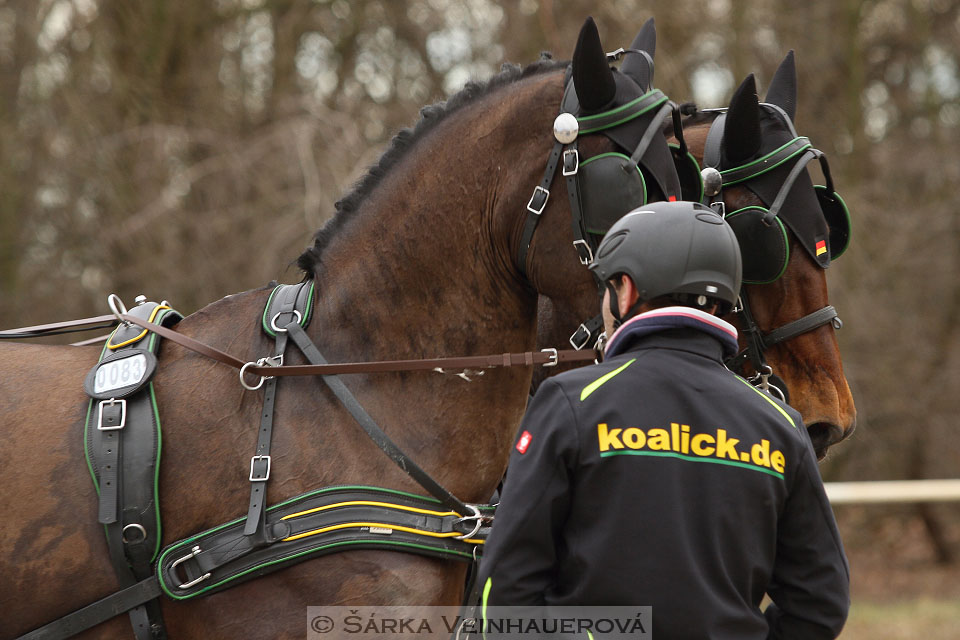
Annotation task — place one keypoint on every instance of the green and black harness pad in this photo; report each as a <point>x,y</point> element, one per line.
<point>314,524</point>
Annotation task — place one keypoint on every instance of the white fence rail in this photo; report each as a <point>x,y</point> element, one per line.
<point>893,491</point>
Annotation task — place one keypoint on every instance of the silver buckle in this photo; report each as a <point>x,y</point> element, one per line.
<point>123,415</point>
<point>586,339</point>
<point>576,162</point>
<point>554,358</point>
<point>478,519</point>
<point>186,585</point>
<point>546,197</point>
<point>266,476</point>
<point>584,260</point>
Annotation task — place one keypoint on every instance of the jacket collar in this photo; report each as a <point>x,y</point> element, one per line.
<point>666,318</point>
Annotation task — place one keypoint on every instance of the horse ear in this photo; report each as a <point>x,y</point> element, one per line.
<point>592,77</point>
<point>783,87</point>
<point>636,66</point>
<point>741,133</point>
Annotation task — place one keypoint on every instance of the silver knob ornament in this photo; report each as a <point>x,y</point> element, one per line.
<point>566,128</point>
<point>712,181</point>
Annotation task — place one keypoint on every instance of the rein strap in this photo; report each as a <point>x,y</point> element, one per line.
<point>547,357</point>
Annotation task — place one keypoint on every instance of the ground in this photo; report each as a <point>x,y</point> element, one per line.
<point>899,589</point>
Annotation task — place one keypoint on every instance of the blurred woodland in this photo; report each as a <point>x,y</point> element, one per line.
<point>187,150</point>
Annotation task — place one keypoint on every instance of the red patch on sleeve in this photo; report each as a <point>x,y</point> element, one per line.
<point>524,442</point>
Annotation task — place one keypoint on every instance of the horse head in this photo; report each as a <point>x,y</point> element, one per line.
<point>628,164</point>
<point>789,231</point>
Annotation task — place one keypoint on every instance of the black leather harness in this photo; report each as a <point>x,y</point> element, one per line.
<point>268,538</point>
<point>122,446</point>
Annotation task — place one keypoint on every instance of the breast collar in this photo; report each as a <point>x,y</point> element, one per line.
<point>666,318</point>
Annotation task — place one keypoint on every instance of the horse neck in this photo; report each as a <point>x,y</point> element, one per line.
<point>426,261</point>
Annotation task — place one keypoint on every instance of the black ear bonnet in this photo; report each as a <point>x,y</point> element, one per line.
<point>612,184</point>
<point>776,172</point>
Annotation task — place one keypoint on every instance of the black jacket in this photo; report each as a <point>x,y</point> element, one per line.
<point>660,478</point>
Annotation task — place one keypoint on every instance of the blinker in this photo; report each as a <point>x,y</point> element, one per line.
<point>566,128</point>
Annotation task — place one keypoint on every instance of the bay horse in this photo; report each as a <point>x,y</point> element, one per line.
<point>807,365</point>
<point>421,260</point>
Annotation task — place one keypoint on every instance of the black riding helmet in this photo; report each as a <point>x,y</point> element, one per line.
<point>682,250</point>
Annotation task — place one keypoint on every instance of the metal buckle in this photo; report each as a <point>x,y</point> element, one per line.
<point>584,259</point>
<point>123,414</point>
<point>477,517</point>
<point>546,196</point>
<point>273,321</point>
<point>193,552</point>
<point>266,476</point>
<point>582,329</point>
<point>554,357</point>
<point>576,162</point>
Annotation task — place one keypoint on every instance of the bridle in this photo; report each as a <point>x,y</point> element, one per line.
<point>606,186</point>
<point>800,152</point>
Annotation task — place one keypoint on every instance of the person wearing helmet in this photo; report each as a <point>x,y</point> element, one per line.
<point>660,478</point>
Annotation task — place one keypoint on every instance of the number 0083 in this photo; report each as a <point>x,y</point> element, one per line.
<point>120,373</point>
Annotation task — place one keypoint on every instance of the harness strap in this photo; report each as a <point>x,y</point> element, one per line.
<point>295,301</point>
<point>801,165</point>
<point>768,162</point>
<point>802,325</point>
<point>381,439</point>
<point>317,523</point>
<point>97,612</point>
<point>587,332</point>
<point>619,115</point>
<point>547,358</point>
<point>536,205</point>
<point>758,342</point>
<point>580,241</point>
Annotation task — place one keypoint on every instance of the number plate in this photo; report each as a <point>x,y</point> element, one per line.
<point>117,374</point>
<point>120,374</point>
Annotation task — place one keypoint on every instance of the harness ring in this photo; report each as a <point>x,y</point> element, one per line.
<point>243,382</point>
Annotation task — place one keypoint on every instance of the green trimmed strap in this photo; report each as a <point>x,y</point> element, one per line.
<point>624,113</point>
<point>766,163</point>
<point>305,527</point>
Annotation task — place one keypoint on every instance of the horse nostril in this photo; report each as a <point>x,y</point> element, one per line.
<point>824,435</point>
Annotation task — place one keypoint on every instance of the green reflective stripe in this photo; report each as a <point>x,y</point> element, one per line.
<point>596,384</point>
<point>770,400</point>
<point>483,608</point>
<point>586,121</point>
<point>727,172</point>
<point>680,456</point>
